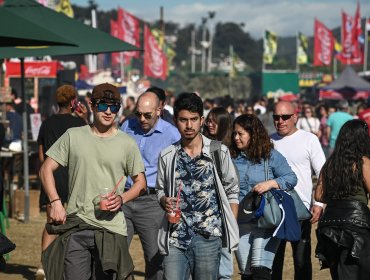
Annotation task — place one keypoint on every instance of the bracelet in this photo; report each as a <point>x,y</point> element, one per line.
<point>120,196</point>
<point>54,200</point>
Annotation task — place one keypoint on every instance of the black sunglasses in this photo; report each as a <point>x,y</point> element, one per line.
<point>147,116</point>
<point>283,117</point>
<point>102,107</point>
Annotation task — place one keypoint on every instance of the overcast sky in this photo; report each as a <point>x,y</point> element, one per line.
<point>285,17</point>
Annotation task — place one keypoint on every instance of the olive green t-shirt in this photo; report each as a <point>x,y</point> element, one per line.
<point>96,164</point>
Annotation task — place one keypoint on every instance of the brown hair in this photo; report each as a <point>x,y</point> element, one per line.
<point>260,144</point>
<point>223,120</point>
<point>65,94</point>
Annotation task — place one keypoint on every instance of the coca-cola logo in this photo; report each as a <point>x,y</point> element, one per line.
<point>348,46</point>
<point>156,64</point>
<point>325,39</point>
<point>38,70</point>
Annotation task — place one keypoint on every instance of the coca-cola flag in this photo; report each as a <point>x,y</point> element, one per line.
<point>352,39</point>
<point>114,31</point>
<point>129,31</point>
<point>323,45</point>
<point>42,69</point>
<point>155,61</point>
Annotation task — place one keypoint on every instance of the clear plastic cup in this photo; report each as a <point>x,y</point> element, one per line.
<point>174,216</point>
<point>104,201</point>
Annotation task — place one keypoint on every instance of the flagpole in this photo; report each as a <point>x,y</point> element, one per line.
<point>122,66</point>
<point>297,49</point>
<point>366,44</point>
<point>263,51</point>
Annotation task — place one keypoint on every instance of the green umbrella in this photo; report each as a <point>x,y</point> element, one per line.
<point>88,40</point>
<point>18,31</point>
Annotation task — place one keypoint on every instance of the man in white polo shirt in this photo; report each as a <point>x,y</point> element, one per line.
<point>303,152</point>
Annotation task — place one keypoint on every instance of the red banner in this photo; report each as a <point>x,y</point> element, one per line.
<point>352,49</point>
<point>41,69</point>
<point>323,45</point>
<point>155,61</point>
<point>114,31</point>
<point>129,31</point>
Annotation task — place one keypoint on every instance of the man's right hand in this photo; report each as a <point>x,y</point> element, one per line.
<point>57,212</point>
<point>168,203</point>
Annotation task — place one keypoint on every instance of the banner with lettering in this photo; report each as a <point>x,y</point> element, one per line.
<point>41,69</point>
<point>129,31</point>
<point>155,61</point>
<point>114,31</point>
<point>323,44</point>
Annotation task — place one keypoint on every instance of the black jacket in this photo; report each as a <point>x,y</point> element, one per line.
<point>346,224</point>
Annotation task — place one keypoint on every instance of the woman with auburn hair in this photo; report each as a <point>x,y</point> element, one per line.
<point>218,125</point>
<point>253,151</point>
<point>344,185</point>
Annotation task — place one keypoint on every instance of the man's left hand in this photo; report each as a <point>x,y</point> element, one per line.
<point>316,213</point>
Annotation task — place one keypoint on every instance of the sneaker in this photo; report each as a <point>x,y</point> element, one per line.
<point>40,274</point>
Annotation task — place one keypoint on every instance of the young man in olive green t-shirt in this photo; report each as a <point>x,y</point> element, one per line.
<point>96,157</point>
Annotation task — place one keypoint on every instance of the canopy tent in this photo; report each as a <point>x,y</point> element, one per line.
<point>87,40</point>
<point>347,85</point>
<point>22,32</point>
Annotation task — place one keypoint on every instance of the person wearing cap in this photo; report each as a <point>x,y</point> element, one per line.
<point>336,121</point>
<point>144,214</point>
<point>92,241</point>
<point>50,131</point>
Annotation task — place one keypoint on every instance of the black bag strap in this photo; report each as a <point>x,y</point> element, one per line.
<point>215,149</point>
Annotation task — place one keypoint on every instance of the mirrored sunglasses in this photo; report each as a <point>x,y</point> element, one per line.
<point>102,107</point>
<point>283,117</point>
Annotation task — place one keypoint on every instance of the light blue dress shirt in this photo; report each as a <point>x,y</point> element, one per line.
<point>150,144</point>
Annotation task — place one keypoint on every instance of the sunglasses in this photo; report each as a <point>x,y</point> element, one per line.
<point>102,107</point>
<point>147,116</point>
<point>283,117</point>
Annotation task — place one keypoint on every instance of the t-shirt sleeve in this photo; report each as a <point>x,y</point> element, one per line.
<point>134,163</point>
<point>60,149</point>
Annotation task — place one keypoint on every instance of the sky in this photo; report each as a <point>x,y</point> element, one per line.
<point>284,17</point>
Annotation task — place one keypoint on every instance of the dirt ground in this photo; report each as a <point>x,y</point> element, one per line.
<point>25,260</point>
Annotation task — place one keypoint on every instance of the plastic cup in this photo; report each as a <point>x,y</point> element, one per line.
<point>174,216</point>
<point>103,203</point>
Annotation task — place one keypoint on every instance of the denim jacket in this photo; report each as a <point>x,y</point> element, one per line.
<point>253,173</point>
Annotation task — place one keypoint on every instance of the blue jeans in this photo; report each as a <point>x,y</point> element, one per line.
<point>257,248</point>
<point>201,260</point>
<point>226,265</point>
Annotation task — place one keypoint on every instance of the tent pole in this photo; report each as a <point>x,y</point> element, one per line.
<point>25,147</point>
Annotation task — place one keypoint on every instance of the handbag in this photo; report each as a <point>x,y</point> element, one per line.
<point>6,245</point>
<point>302,212</point>
<point>269,213</point>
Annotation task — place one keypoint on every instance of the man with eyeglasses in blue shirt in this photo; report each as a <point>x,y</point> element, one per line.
<point>144,215</point>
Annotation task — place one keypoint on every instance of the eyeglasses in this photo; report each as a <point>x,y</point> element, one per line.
<point>102,107</point>
<point>283,117</point>
<point>147,115</point>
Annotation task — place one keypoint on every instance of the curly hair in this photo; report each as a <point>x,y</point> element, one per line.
<point>260,144</point>
<point>223,120</point>
<point>342,173</point>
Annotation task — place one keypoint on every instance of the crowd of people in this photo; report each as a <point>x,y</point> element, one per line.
<point>175,174</point>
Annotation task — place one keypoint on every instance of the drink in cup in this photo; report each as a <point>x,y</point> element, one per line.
<point>175,215</point>
<point>104,201</point>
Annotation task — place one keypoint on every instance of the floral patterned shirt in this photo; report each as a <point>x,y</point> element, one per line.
<point>199,203</point>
